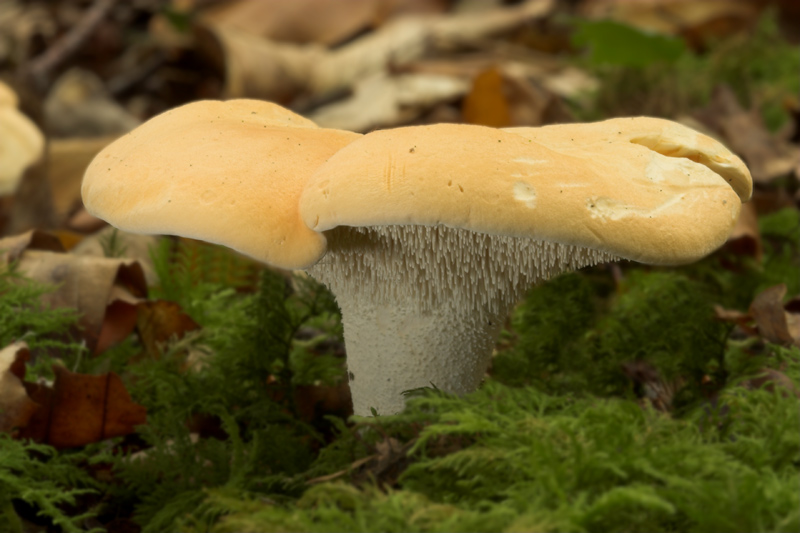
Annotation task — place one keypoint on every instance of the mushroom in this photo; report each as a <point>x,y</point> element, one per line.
<point>427,235</point>
<point>21,142</point>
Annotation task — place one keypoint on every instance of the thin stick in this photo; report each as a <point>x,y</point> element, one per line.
<point>42,67</point>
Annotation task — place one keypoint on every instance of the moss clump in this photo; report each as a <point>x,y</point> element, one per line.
<point>532,461</point>
<point>662,318</point>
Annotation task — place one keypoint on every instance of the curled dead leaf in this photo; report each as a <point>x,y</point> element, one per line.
<point>11,248</point>
<point>88,284</point>
<point>16,407</point>
<point>80,409</point>
<point>125,245</point>
<point>767,155</point>
<point>67,161</point>
<point>260,68</point>
<point>745,239</point>
<point>159,321</point>
<point>774,322</point>
<point>771,379</point>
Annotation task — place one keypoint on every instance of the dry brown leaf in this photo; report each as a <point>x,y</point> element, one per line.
<point>770,378</point>
<point>501,99</point>
<point>298,21</point>
<point>83,222</point>
<point>745,239</point>
<point>119,321</point>
<point>278,71</point>
<point>159,321</point>
<point>16,407</point>
<point>793,305</point>
<point>733,316</point>
<point>257,68</point>
<point>67,161</point>
<point>386,101</point>
<point>766,155</point>
<point>11,248</point>
<point>487,104</point>
<point>774,323</point>
<point>68,239</point>
<point>31,206</point>
<point>317,401</point>
<point>129,245</point>
<point>88,284</point>
<point>81,409</point>
<point>312,21</point>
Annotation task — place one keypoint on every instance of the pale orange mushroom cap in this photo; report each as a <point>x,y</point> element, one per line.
<point>644,189</point>
<point>224,172</point>
<point>21,142</point>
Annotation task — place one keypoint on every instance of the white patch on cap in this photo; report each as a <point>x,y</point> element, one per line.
<point>610,209</point>
<point>525,193</point>
<point>680,172</point>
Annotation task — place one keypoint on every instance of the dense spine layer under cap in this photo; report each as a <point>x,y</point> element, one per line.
<point>422,305</point>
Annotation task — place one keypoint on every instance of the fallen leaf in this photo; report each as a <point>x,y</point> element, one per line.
<point>16,407</point>
<point>119,321</point>
<point>745,238</point>
<point>793,305</point>
<point>314,402</point>
<point>81,409</point>
<point>158,321</point>
<point>259,68</point>
<point>292,22</point>
<point>125,245</point>
<point>774,323</point>
<point>767,156</point>
<point>11,248</point>
<point>486,103</point>
<point>67,162</point>
<point>83,222</point>
<point>770,379</point>
<point>68,239</point>
<point>743,320</point>
<point>385,101</point>
<point>88,284</point>
<point>331,23</point>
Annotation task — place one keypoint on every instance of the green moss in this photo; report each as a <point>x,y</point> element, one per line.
<point>662,318</point>
<point>537,462</point>
<point>760,66</point>
<point>23,317</point>
<point>47,480</point>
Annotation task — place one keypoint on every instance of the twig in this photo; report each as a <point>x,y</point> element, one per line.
<point>64,48</point>
<point>128,79</point>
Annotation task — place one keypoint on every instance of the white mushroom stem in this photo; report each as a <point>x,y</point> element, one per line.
<point>423,305</point>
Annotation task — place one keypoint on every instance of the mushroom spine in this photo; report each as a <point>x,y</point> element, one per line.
<point>423,305</point>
